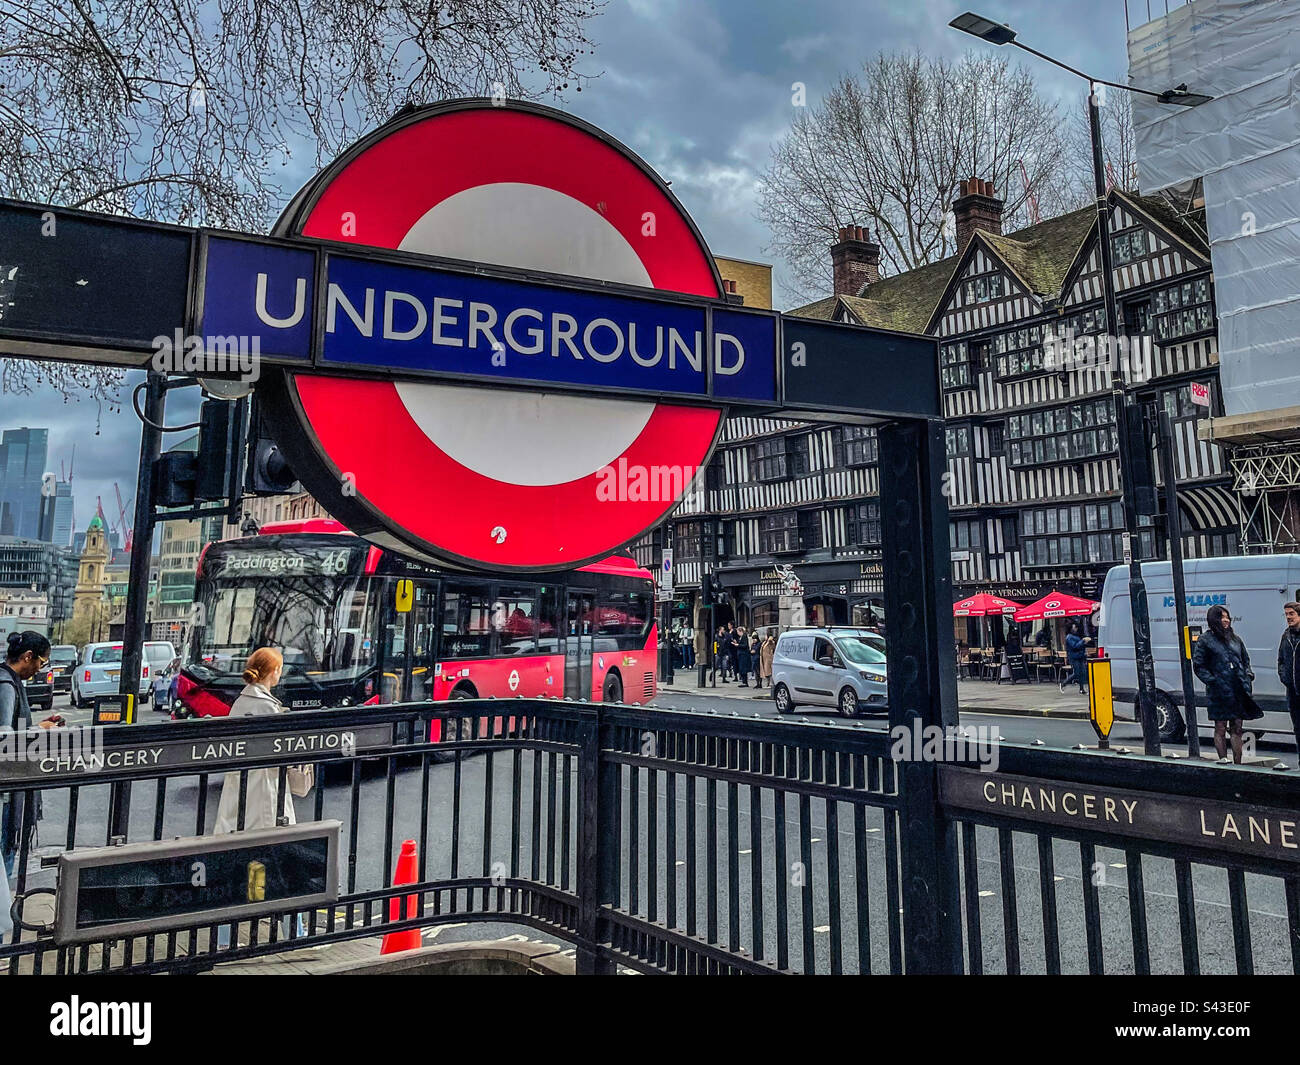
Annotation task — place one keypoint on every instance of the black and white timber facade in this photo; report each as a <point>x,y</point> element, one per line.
<point>1033,468</point>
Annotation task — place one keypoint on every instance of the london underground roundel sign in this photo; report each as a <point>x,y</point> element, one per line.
<point>486,477</point>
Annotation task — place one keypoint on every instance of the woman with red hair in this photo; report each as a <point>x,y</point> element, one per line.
<point>262,800</point>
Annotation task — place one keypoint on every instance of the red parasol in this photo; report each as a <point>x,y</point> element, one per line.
<point>1056,605</point>
<point>978,606</point>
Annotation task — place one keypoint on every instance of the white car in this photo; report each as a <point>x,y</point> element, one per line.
<point>835,667</point>
<point>98,673</point>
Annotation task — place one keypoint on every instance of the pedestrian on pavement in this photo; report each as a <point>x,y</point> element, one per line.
<point>1076,651</point>
<point>262,798</point>
<point>1223,664</point>
<point>765,655</point>
<point>1288,665</point>
<point>262,793</point>
<point>26,655</point>
<point>744,658</point>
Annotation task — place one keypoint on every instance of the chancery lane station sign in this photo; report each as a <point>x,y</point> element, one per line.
<point>1223,826</point>
<point>458,325</point>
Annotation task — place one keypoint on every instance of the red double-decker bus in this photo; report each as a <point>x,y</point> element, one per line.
<point>359,625</point>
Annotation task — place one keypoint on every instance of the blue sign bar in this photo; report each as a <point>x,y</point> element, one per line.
<point>412,319</point>
<point>112,289</point>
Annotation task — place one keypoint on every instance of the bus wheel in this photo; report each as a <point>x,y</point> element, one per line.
<point>1168,719</point>
<point>460,730</point>
<point>613,690</point>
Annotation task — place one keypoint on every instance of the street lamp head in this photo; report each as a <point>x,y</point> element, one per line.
<point>983,28</point>
<point>1180,95</point>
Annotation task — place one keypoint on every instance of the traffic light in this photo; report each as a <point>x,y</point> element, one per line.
<point>711,589</point>
<point>1144,479</point>
<point>219,440</point>
<point>181,478</point>
<point>268,470</point>
<point>174,475</point>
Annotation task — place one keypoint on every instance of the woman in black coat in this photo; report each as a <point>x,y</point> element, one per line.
<point>1223,664</point>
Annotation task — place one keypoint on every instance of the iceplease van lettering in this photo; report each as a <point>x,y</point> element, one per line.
<point>1218,599</point>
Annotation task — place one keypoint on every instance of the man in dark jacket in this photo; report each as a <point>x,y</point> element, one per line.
<point>26,655</point>
<point>1288,665</point>
<point>1076,652</point>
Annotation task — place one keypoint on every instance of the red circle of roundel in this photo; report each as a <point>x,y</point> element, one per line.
<point>363,427</point>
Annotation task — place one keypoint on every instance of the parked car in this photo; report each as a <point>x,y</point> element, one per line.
<point>838,667</point>
<point>40,690</point>
<point>160,656</point>
<point>98,671</point>
<point>63,657</point>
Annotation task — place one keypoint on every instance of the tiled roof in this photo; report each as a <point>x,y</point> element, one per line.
<point>1040,255</point>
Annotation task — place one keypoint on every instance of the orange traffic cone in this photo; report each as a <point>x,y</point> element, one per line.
<point>405,873</point>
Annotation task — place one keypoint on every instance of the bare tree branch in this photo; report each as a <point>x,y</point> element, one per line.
<point>187,110</point>
<point>887,148</point>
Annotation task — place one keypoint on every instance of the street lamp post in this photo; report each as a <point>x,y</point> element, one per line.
<point>999,33</point>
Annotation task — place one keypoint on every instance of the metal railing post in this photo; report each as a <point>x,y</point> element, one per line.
<point>922,683</point>
<point>597,847</point>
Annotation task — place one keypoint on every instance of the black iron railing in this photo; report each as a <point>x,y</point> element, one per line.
<point>685,842</point>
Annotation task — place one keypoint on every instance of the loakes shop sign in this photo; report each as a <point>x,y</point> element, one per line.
<point>1236,827</point>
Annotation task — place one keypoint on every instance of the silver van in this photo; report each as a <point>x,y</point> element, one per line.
<point>842,668</point>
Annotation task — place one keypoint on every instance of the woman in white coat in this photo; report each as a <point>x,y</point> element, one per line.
<point>262,799</point>
<point>262,802</point>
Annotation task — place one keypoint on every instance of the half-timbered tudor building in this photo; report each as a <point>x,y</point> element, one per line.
<point>1033,467</point>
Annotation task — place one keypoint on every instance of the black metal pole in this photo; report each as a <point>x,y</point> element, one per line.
<point>666,648</point>
<point>1139,609</point>
<point>922,684</point>
<point>137,594</point>
<point>1174,527</point>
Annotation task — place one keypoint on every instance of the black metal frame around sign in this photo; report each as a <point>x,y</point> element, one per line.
<point>74,345</point>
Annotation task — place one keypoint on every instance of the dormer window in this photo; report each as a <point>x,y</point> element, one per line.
<point>984,288</point>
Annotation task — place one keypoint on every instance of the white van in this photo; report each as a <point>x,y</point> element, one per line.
<point>1252,587</point>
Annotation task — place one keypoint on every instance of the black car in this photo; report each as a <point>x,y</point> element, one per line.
<point>40,690</point>
<point>63,660</point>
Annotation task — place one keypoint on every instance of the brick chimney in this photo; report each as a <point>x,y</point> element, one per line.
<point>856,261</point>
<point>976,207</point>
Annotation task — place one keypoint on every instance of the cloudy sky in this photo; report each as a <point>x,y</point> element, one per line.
<point>701,89</point>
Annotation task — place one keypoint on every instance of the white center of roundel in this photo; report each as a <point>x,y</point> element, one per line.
<point>532,438</point>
